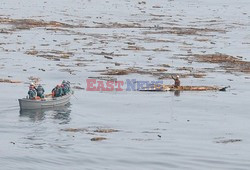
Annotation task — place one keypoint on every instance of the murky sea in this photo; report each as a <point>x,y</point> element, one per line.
<point>153,130</point>
<point>156,131</point>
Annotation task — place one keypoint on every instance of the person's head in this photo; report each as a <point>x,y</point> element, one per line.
<point>32,84</point>
<point>39,85</point>
<point>177,76</point>
<point>31,87</point>
<point>57,86</point>
<point>63,82</point>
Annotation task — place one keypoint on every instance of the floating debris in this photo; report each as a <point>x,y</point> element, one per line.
<point>140,139</point>
<point>142,2</point>
<point>105,78</point>
<point>116,72</point>
<point>156,6</point>
<point>160,87</point>
<point>229,63</point>
<point>116,25</point>
<point>70,71</point>
<point>31,52</point>
<point>126,71</point>
<point>117,64</point>
<point>13,143</point>
<point>80,64</point>
<point>216,58</point>
<point>98,139</point>
<point>78,88</point>
<point>182,75</point>
<point>134,48</point>
<point>161,69</point>
<point>224,88</point>
<point>63,65</point>
<point>51,55</point>
<point>160,72</point>
<point>229,141</point>
<point>107,57</point>
<point>185,31</point>
<point>106,130</point>
<point>32,23</point>
<point>36,80</point>
<point>190,69</point>
<point>9,81</point>
<point>112,54</point>
<point>75,130</point>
<point>41,69</point>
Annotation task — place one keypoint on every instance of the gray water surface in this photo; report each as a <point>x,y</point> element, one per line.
<point>190,127</point>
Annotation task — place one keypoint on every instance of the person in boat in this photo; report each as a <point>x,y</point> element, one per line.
<point>65,87</point>
<point>32,93</point>
<point>177,81</point>
<point>57,91</point>
<point>64,91</point>
<point>68,84</point>
<point>40,91</point>
<point>33,85</point>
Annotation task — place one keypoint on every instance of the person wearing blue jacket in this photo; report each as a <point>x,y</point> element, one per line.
<point>32,93</point>
<point>57,91</point>
<point>40,91</point>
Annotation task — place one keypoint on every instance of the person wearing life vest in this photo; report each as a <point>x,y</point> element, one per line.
<point>57,91</point>
<point>65,87</point>
<point>32,93</point>
<point>40,91</point>
<point>68,85</point>
<point>33,85</point>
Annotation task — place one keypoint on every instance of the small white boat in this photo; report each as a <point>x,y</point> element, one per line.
<point>48,102</point>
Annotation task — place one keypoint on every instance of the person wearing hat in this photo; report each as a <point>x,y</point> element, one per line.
<point>32,93</point>
<point>33,85</point>
<point>40,91</point>
<point>177,82</point>
<point>65,87</point>
<point>68,85</point>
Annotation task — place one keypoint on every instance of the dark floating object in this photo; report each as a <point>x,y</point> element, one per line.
<point>107,57</point>
<point>224,88</point>
<point>229,141</point>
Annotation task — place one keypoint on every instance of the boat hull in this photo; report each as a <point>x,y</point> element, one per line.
<point>27,104</point>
